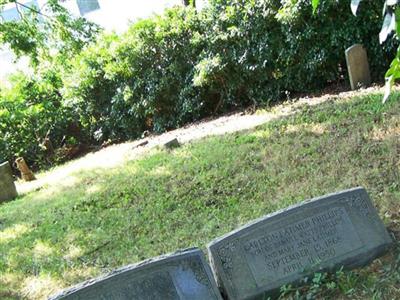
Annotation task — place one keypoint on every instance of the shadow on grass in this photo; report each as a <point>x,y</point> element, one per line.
<point>105,218</point>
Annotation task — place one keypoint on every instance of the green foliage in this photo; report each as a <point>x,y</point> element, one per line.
<point>178,67</point>
<point>321,285</point>
<point>88,91</point>
<point>183,65</point>
<point>29,111</point>
<point>269,49</point>
<point>391,14</point>
<point>45,35</point>
<point>33,108</point>
<point>141,80</point>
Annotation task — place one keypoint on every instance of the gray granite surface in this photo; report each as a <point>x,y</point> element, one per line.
<point>341,229</point>
<point>184,275</point>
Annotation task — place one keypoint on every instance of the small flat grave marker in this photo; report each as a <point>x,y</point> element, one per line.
<point>183,275</point>
<point>8,190</point>
<point>171,144</point>
<point>325,233</point>
<point>358,67</point>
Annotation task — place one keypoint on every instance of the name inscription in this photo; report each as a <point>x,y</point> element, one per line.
<point>300,246</point>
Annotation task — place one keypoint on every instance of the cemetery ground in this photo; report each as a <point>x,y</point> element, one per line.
<point>72,230</point>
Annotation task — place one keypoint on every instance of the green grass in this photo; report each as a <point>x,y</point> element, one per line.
<point>106,218</point>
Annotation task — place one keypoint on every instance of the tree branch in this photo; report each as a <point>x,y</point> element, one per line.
<point>31,9</point>
<point>18,10</point>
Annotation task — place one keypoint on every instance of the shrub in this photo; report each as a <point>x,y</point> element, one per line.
<point>170,69</point>
<point>268,49</point>
<point>90,93</point>
<point>142,80</point>
<point>30,111</point>
<point>180,66</point>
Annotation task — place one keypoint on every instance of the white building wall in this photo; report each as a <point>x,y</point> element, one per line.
<point>116,14</point>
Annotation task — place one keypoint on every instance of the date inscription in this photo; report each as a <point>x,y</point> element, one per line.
<point>301,246</point>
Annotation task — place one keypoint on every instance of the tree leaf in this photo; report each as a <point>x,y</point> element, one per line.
<point>397,14</point>
<point>354,6</point>
<point>315,4</point>
<point>392,75</point>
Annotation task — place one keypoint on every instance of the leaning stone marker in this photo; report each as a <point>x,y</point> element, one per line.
<point>358,67</point>
<point>178,276</point>
<point>325,233</point>
<point>7,185</point>
<point>26,173</point>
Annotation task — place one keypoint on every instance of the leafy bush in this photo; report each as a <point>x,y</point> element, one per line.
<point>183,65</point>
<point>268,48</point>
<point>180,66</point>
<point>89,92</point>
<point>142,80</point>
<point>30,111</point>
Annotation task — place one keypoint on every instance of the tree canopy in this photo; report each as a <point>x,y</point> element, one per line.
<point>44,33</point>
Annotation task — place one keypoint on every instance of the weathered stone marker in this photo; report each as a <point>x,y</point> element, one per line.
<point>325,233</point>
<point>178,276</point>
<point>358,67</point>
<point>171,144</point>
<point>26,173</point>
<point>7,185</point>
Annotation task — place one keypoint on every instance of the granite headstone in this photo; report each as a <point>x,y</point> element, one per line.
<point>324,233</point>
<point>183,275</point>
<point>358,67</point>
<point>8,190</point>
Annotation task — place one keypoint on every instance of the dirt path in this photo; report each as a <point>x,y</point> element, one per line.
<point>115,155</point>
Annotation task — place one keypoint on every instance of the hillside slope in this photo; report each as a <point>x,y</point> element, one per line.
<point>102,218</point>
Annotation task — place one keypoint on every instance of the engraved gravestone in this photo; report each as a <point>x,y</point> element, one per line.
<point>183,275</point>
<point>7,185</point>
<point>325,233</point>
<point>358,67</point>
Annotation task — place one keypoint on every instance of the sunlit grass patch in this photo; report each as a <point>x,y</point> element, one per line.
<point>109,217</point>
<point>39,287</point>
<point>13,232</point>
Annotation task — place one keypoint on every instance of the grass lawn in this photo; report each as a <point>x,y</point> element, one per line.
<point>103,219</point>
